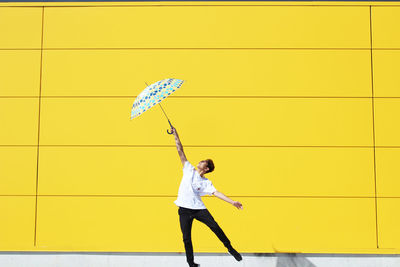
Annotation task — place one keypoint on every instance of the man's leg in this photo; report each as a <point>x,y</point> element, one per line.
<point>186,221</point>
<point>205,217</point>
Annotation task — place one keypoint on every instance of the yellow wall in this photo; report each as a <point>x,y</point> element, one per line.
<point>297,109</point>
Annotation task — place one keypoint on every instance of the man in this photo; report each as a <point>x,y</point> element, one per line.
<point>192,187</point>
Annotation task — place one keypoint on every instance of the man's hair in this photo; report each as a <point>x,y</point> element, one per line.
<point>210,165</point>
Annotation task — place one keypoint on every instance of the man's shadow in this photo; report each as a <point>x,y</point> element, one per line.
<point>292,260</point>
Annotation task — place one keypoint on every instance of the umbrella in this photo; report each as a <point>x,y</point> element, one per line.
<point>153,94</point>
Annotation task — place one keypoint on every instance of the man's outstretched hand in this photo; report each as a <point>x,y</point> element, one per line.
<point>237,205</point>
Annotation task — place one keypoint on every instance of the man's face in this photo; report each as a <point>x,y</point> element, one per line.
<point>202,165</point>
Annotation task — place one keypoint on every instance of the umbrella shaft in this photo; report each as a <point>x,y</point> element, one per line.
<point>165,115</point>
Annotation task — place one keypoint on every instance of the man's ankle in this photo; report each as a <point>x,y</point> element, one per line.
<point>235,254</point>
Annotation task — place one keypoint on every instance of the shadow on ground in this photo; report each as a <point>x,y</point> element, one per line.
<point>293,260</point>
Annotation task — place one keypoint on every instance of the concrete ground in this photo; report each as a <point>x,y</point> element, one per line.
<point>83,259</point>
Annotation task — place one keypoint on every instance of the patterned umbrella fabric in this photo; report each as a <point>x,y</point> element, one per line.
<point>153,95</point>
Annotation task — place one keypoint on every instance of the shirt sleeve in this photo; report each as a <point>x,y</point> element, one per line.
<point>187,166</point>
<point>208,189</point>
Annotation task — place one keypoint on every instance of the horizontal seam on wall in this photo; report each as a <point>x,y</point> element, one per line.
<point>200,146</point>
<point>174,196</point>
<point>219,97</point>
<point>198,48</point>
<point>203,5</point>
<point>194,146</point>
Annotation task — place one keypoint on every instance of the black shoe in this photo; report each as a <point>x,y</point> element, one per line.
<point>194,265</point>
<point>235,254</point>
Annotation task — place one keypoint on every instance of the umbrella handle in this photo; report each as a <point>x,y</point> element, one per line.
<point>171,128</point>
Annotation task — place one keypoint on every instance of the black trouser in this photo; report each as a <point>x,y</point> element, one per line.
<point>186,217</point>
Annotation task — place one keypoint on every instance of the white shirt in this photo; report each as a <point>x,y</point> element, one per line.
<point>192,187</point>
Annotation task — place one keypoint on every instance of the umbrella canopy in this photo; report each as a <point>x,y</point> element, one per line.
<point>153,95</point>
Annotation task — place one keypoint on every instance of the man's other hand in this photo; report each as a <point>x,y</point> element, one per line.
<point>237,205</point>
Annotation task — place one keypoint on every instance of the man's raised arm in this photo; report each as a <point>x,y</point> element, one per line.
<point>179,146</point>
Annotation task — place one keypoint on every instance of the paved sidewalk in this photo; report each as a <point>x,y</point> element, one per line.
<point>82,259</point>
